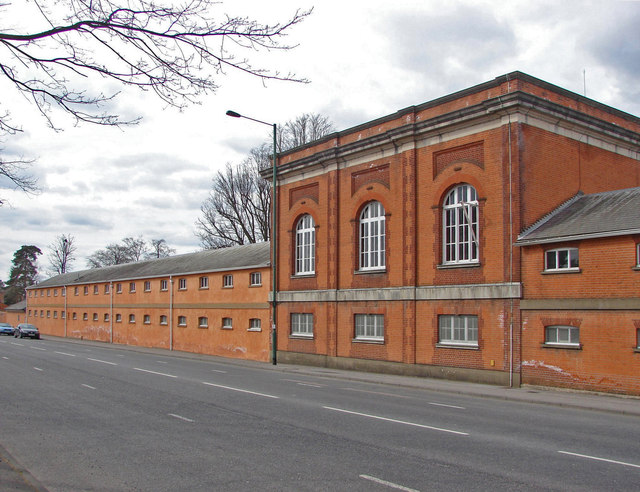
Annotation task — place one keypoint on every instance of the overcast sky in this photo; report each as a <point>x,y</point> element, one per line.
<point>365,59</point>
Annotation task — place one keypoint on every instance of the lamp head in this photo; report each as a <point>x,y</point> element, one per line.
<point>233,114</point>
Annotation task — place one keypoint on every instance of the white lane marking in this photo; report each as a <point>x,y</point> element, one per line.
<point>64,353</point>
<point>599,459</point>
<point>38,369</point>
<point>240,390</point>
<point>218,370</point>
<point>6,358</point>
<point>38,348</point>
<point>388,484</point>
<point>375,392</point>
<point>445,405</point>
<point>309,384</point>
<point>305,383</point>
<point>87,386</point>
<point>102,361</point>
<point>154,372</point>
<point>18,344</point>
<point>377,417</point>
<point>162,362</point>
<point>180,417</point>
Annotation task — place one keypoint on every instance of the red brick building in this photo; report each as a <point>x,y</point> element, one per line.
<point>212,302</point>
<point>397,239</point>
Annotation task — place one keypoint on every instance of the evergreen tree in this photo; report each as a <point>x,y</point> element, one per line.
<point>24,273</point>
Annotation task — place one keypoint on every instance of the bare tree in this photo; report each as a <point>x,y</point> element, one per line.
<point>61,254</point>
<point>159,249</point>
<point>113,254</point>
<point>238,208</point>
<point>137,247</point>
<point>178,51</point>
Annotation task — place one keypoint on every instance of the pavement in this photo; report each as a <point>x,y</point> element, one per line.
<point>14,478</point>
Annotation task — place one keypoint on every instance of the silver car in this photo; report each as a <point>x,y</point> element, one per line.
<point>26,330</point>
<point>6,329</point>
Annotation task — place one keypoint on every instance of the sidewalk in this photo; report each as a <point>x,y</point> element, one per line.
<point>14,478</point>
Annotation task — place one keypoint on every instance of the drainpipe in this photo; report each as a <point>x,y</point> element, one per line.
<point>170,312</point>
<point>111,312</point>
<point>510,260</point>
<point>66,313</point>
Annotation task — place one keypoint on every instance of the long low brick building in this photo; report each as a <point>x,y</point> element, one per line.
<point>211,302</point>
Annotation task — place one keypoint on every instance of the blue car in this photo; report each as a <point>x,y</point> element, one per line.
<point>6,329</point>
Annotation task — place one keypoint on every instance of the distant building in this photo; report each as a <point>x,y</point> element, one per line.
<point>211,302</point>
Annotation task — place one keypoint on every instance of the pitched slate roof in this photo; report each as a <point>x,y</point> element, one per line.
<point>611,213</point>
<point>216,260</point>
<point>18,306</point>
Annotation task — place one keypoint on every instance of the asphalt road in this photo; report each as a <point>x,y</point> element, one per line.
<point>108,418</point>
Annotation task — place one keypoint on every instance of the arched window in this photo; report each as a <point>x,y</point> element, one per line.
<point>460,225</point>
<point>372,237</point>
<point>305,246</point>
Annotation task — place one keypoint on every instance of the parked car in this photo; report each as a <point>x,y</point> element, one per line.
<point>6,329</point>
<point>26,330</point>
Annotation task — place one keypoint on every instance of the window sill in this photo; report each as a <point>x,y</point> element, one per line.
<point>565,270</point>
<point>463,346</point>
<point>377,341</point>
<point>255,329</point>
<point>564,346</point>
<point>301,337</point>
<point>370,272</point>
<point>303,275</point>
<point>255,285</point>
<point>227,286</point>
<point>203,288</point>
<point>226,327</point>
<point>636,268</point>
<point>448,266</point>
<point>636,350</point>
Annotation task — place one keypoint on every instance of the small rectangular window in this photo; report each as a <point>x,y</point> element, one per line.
<point>255,324</point>
<point>132,286</point>
<point>204,282</point>
<point>118,318</point>
<point>566,259</point>
<point>147,286</point>
<point>164,285</point>
<point>638,338</point>
<point>147,319</point>
<point>55,292</point>
<point>86,290</point>
<point>55,315</point>
<point>118,288</point>
<point>227,281</point>
<point>203,322</point>
<point>638,255</point>
<point>48,314</point>
<point>107,288</point>
<point>562,335</point>
<point>106,317</point>
<point>95,316</point>
<point>132,318</point>
<point>458,329</point>
<point>163,319</point>
<point>182,321</point>
<point>74,315</point>
<point>302,324</point>
<point>85,316</point>
<point>63,314</point>
<point>48,292</point>
<point>75,291</point>
<point>369,327</point>
<point>227,323</point>
<point>95,289</point>
<point>255,279</point>
<point>182,284</point>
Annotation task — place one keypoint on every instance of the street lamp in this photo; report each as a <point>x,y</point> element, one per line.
<point>274,235</point>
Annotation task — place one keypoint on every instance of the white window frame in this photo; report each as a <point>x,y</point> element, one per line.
<point>85,316</point>
<point>96,290</point>
<point>182,321</point>
<point>118,318</point>
<point>164,285</point>
<point>95,316</point>
<point>227,281</point>
<point>118,288</point>
<point>106,317</point>
<point>554,260</point>
<point>458,329</point>
<point>227,323</point>
<point>163,319</point>
<point>305,260</point>
<point>255,279</point>
<point>146,319</point>
<point>132,287</point>
<point>74,315</point>
<point>182,284</point>
<point>372,237</point>
<point>460,230</point>
<point>368,327</point>
<point>204,282</point>
<point>203,322</point>
<point>132,318</point>
<point>638,255</point>
<point>302,325</point>
<point>107,288</point>
<point>562,335</point>
<point>147,285</point>
<point>255,324</point>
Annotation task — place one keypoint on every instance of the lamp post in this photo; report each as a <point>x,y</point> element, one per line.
<point>274,235</point>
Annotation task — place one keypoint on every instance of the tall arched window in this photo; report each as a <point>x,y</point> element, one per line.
<point>305,246</point>
<point>460,225</point>
<point>372,237</point>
